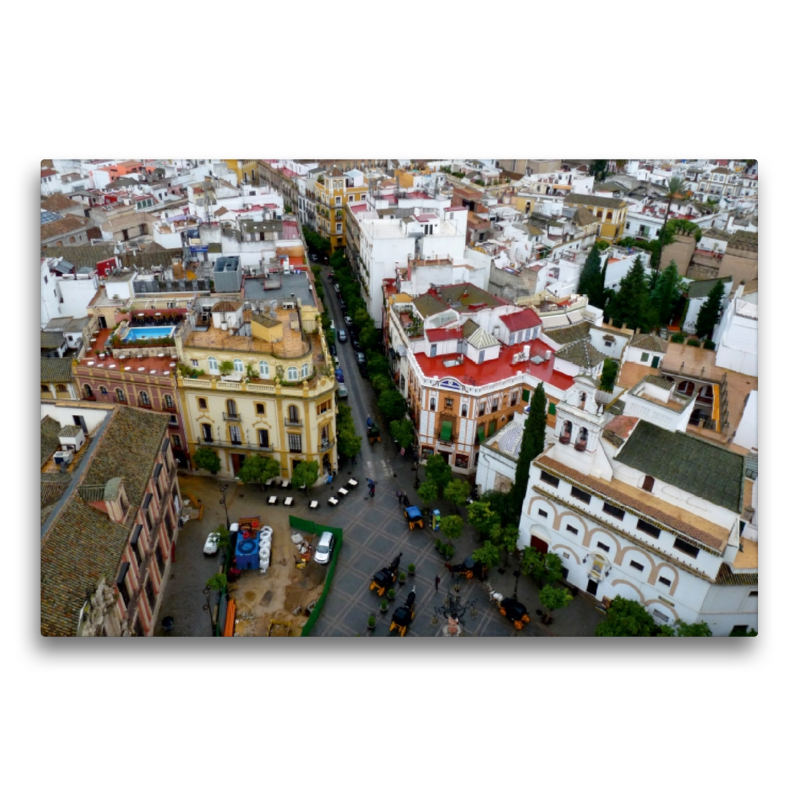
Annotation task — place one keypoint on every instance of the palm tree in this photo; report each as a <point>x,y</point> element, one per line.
<point>675,188</point>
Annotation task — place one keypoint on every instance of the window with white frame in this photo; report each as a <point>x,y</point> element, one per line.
<point>263,369</point>
<point>238,365</point>
<point>213,365</point>
<point>291,374</point>
<point>305,370</point>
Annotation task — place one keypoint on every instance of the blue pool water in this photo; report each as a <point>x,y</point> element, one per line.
<point>138,334</point>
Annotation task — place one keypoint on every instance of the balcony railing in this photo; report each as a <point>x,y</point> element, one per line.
<point>143,404</point>
<point>325,446</point>
<point>295,423</point>
<point>232,417</point>
<point>225,443</point>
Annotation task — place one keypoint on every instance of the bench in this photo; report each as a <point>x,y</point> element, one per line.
<point>352,482</point>
<point>313,504</point>
<point>343,492</point>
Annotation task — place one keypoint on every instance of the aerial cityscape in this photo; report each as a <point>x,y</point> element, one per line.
<point>399,397</point>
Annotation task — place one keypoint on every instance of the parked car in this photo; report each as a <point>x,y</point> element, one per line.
<point>357,346</point>
<point>339,375</point>
<point>336,362</point>
<point>348,321</point>
<point>361,359</point>
<point>322,553</point>
<point>342,305</point>
<point>212,544</point>
<point>332,348</point>
<point>336,288</point>
<point>314,257</point>
<point>342,335</point>
<point>342,390</point>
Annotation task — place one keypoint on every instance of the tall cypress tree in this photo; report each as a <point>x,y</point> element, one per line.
<point>667,293</point>
<point>532,444</point>
<point>590,273</point>
<point>632,302</point>
<point>709,311</point>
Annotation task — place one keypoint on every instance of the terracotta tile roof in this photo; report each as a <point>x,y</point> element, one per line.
<point>48,438</point>
<point>128,450</point>
<point>521,320</point>
<point>593,200</point>
<point>61,227</point>
<point>467,294</point>
<point>582,353</point>
<point>82,546</point>
<point>727,577</point>
<point>56,370</point>
<point>691,525</point>
<point>58,202</point>
<point>572,333</point>
<point>226,305</point>
<point>741,240</point>
<point>647,341</point>
<point>622,425</point>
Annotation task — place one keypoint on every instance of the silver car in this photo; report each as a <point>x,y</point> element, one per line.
<point>322,555</point>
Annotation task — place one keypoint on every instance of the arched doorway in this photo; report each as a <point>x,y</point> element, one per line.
<point>540,538</point>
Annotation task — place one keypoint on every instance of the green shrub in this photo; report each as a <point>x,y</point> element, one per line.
<point>679,338</point>
<point>709,345</point>
<point>693,343</point>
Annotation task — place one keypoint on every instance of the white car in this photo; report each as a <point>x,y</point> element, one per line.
<point>322,554</point>
<point>212,544</point>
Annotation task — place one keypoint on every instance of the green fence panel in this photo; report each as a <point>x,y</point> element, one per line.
<point>302,524</point>
<point>338,538</point>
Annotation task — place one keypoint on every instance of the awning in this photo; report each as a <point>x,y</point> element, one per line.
<point>447,431</point>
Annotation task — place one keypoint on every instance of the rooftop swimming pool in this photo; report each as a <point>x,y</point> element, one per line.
<point>141,334</point>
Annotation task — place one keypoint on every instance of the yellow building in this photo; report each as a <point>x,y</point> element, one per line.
<point>267,386</point>
<point>405,177</point>
<point>244,167</point>
<point>333,190</point>
<point>610,212</point>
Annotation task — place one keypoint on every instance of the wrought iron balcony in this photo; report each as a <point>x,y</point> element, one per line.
<point>325,446</point>
<point>297,423</point>
<point>232,417</point>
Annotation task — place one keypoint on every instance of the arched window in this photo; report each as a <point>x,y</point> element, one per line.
<point>120,395</point>
<point>294,415</point>
<point>291,374</point>
<point>72,240</point>
<point>263,369</point>
<point>566,432</point>
<point>61,387</point>
<point>168,401</point>
<point>686,387</point>
<point>305,370</point>
<point>46,389</point>
<point>144,398</point>
<point>213,365</point>
<point>231,406</point>
<point>87,390</point>
<point>238,365</point>
<point>103,390</point>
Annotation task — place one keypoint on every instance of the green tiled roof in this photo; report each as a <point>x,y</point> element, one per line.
<point>698,467</point>
<point>56,370</point>
<point>465,294</point>
<point>128,450</point>
<point>81,546</point>
<point>48,438</point>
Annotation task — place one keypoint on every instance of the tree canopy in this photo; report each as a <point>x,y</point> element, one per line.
<point>631,304</point>
<point>438,471</point>
<point>608,377</point>
<point>591,280</point>
<point>402,431</point>
<point>305,474</point>
<point>428,491</point>
<point>452,526</point>
<point>392,404</point>
<point>257,469</point>
<point>488,555</point>
<point>348,442</point>
<point>667,293</point>
<point>206,458</point>
<point>544,568</point>
<point>457,492</point>
<point>626,618</point>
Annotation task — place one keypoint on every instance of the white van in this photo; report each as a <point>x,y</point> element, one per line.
<point>342,390</point>
<point>322,555</point>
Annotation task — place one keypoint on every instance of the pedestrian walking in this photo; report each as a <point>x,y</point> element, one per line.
<point>437,580</point>
<point>334,474</point>
<point>416,465</point>
<point>399,494</point>
<point>329,480</point>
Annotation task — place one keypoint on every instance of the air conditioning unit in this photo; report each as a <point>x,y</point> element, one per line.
<point>63,457</point>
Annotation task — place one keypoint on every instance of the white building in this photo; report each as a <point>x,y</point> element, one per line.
<point>641,512</point>
<point>737,336</point>
<point>697,295</point>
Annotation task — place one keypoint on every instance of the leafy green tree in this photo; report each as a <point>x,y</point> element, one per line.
<point>218,583</point>
<point>710,311</point>
<point>305,474</point>
<point>503,504</point>
<point>368,336</point>
<point>483,517</point>
<point>348,442</point>
<point>632,302</point>
<point>532,445</point>
<point>225,367</point>
<point>438,471</point>
<point>392,404</point>
<point>488,554</point>
<point>452,527</point>
<point>362,318</point>
<point>376,363</point>
<point>682,628</point>
<point>667,293</point>
<point>609,375</point>
<point>257,469</point>
<point>428,492</point>
<point>381,383</point>
<point>545,568</point>
<point>504,538</point>
<point>222,538</point>
<point>206,458</point>
<point>457,492</point>
<point>402,431</point>
<point>553,598</point>
<point>626,618</point>
<point>599,168</point>
<point>591,280</point>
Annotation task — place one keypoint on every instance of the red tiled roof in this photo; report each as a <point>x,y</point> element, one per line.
<point>622,425</point>
<point>442,335</point>
<point>520,320</point>
<point>424,217</point>
<point>497,369</point>
<point>47,172</point>
<point>360,207</point>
